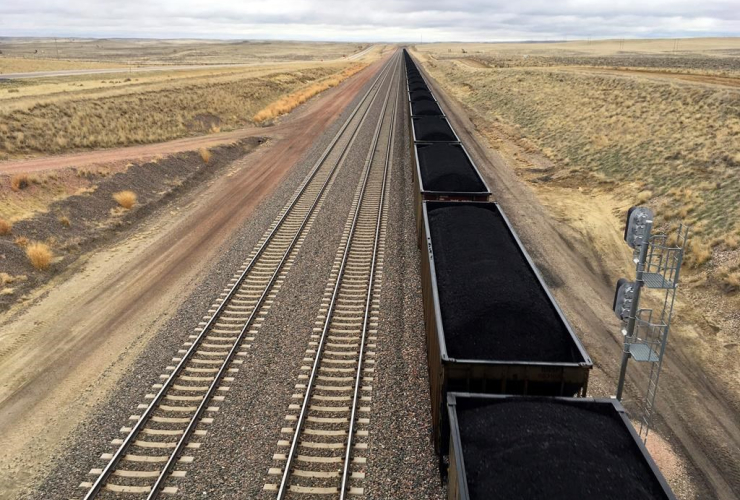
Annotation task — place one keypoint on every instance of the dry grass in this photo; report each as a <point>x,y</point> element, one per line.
<point>643,197</point>
<point>126,199</point>
<point>49,119</point>
<point>205,155</point>
<point>699,253</point>
<point>5,227</point>
<point>27,65</point>
<point>702,46</point>
<point>21,241</point>
<point>40,54</point>
<point>64,221</point>
<point>731,282</point>
<point>40,255</point>
<point>290,102</point>
<point>19,181</point>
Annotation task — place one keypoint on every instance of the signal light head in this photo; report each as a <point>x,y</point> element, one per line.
<point>623,296</point>
<point>636,229</point>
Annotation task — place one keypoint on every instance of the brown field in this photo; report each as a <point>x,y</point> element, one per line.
<point>46,51</point>
<point>57,114</point>
<point>27,65</point>
<point>73,113</point>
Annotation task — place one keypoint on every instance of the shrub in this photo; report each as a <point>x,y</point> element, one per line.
<point>21,241</point>
<point>5,227</point>
<point>127,199</point>
<point>19,181</point>
<point>731,282</point>
<point>40,255</point>
<point>730,241</point>
<point>205,155</point>
<point>699,253</point>
<point>64,221</point>
<point>643,196</point>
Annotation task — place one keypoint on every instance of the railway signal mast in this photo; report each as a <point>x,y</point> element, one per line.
<point>657,261</point>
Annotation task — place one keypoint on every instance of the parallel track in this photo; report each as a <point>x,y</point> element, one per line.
<point>169,424</point>
<point>324,455</point>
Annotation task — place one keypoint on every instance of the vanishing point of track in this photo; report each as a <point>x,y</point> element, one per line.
<point>171,423</point>
<point>325,452</point>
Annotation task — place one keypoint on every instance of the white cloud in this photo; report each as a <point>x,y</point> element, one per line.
<point>390,20</point>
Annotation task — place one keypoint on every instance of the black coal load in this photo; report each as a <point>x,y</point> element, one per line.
<point>418,86</point>
<point>445,167</point>
<point>420,95</point>
<point>416,79</point>
<point>551,450</point>
<point>425,108</point>
<point>433,129</point>
<point>493,306</point>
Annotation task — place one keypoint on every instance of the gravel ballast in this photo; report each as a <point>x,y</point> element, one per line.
<point>493,306</point>
<point>446,167</point>
<point>554,450</point>
<point>433,129</point>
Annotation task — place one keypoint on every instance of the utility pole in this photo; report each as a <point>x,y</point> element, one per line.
<point>56,47</point>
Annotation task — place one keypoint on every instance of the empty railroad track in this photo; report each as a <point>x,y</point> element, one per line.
<point>326,433</point>
<point>172,423</point>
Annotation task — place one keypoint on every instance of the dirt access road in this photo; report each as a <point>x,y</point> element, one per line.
<point>697,417</point>
<point>95,320</point>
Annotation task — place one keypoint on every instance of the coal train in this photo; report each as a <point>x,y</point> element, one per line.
<point>507,374</point>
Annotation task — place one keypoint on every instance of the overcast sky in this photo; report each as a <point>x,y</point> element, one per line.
<point>371,20</point>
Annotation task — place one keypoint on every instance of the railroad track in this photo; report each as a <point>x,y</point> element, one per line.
<point>177,415</point>
<point>324,454</point>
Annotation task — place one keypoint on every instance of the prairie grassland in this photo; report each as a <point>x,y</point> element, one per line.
<point>715,56</point>
<point>26,93</point>
<point>146,109</point>
<point>146,51</point>
<point>27,65</point>
<point>719,46</point>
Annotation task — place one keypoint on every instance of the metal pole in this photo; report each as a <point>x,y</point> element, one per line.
<point>634,308</point>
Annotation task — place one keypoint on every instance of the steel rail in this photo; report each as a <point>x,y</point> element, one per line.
<point>143,420</point>
<point>368,303</point>
<point>283,488</point>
